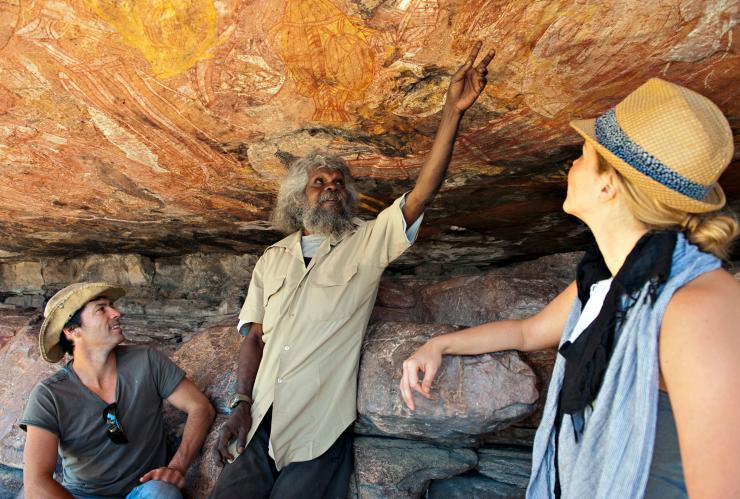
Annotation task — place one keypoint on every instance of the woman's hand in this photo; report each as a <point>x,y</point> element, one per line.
<point>426,359</point>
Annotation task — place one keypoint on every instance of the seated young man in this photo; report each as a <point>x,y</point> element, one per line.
<point>103,409</point>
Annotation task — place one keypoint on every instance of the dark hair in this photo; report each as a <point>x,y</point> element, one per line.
<point>68,345</point>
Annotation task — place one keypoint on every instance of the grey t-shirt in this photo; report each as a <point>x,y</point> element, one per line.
<point>92,464</point>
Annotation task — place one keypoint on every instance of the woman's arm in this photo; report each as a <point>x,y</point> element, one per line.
<point>700,363</point>
<point>542,330</point>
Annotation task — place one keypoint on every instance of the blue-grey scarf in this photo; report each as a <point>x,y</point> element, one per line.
<point>606,451</point>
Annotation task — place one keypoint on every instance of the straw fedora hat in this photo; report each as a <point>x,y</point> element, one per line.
<point>670,142</point>
<point>62,306</point>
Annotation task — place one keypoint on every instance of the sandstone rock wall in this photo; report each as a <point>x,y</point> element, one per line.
<point>187,307</point>
<point>168,299</point>
<point>123,130</point>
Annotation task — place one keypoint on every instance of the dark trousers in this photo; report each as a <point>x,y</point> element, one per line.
<point>253,474</point>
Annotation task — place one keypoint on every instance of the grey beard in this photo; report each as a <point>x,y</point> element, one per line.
<point>326,223</point>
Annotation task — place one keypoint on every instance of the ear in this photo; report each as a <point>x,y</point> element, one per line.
<point>70,332</point>
<point>608,190</point>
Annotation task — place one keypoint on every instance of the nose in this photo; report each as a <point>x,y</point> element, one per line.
<point>114,312</point>
<point>330,187</point>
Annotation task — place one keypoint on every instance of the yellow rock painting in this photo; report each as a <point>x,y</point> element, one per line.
<point>326,54</point>
<point>173,35</point>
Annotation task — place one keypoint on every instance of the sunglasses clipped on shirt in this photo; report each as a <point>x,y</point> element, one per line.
<point>114,428</point>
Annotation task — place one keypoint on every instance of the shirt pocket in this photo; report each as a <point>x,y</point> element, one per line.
<point>333,294</point>
<point>272,299</point>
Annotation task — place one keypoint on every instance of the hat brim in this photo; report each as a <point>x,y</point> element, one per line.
<point>714,200</point>
<point>54,322</point>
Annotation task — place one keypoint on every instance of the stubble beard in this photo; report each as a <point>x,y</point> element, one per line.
<point>321,222</point>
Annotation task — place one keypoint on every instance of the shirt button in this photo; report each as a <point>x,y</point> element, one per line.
<point>280,380</point>
<point>286,348</point>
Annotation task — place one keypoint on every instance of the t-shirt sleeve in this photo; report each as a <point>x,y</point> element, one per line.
<point>41,410</point>
<point>253,309</point>
<point>386,237</point>
<point>166,374</point>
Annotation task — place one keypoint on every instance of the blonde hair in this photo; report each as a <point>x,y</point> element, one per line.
<point>712,232</point>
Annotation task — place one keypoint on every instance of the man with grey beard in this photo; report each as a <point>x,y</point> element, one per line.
<point>307,307</point>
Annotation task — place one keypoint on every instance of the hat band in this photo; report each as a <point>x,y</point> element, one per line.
<point>610,135</point>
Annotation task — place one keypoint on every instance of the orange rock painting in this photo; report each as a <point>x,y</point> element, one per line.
<point>9,11</point>
<point>167,117</point>
<point>173,35</point>
<point>326,54</point>
<point>415,20</point>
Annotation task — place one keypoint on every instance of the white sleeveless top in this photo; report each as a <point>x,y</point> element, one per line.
<point>592,308</point>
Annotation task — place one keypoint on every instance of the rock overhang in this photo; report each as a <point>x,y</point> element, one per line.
<point>110,146</point>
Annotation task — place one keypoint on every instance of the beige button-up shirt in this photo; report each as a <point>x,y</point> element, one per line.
<point>313,320</point>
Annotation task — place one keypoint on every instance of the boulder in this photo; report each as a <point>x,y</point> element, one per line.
<point>22,367</point>
<point>205,277</point>
<point>473,300</point>
<point>20,277</point>
<point>394,293</point>
<point>472,395</point>
<point>388,468</point>
<point>206,467</point>
<point>210,360</point>
<point>473,486</point>
<point>511,465</point>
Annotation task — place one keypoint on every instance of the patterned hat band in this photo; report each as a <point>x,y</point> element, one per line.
<point>611,136</point>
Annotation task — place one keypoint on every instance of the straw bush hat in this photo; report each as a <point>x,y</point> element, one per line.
<point>61,308</point>
<point>670,142</point>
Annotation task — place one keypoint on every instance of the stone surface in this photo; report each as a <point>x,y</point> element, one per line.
<point>200,292</point>
<point>395,294</point>
<point>486,298</point>
<point>472,395</point>
<point>164,128</point>
<point>210,360</point>
<point>511,465</point>
<point>388,468</point>
<point>205,468</point>
<point>168,300</point>
<point>473,486</point>
<point>21,367</point>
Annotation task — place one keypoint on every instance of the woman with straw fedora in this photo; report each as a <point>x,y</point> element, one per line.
<point>644,398</point>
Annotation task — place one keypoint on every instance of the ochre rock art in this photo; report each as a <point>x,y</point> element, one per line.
<point>173,35</point>
<point>165,125</point>
<point>414,20</point>
<point>326,54</point>
<point>9,12</point>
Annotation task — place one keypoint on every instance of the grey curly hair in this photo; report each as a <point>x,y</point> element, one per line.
<point>292,205</point>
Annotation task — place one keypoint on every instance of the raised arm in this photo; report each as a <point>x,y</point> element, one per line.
<point>238,425</point>
<point>700,363</point>
<point>542,330</point>
<point>39,461</point>
<point>465,87</point>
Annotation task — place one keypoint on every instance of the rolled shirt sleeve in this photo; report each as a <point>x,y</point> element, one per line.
<point>388,236</point>
<point>253,309</point>
<point>413,230</point>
